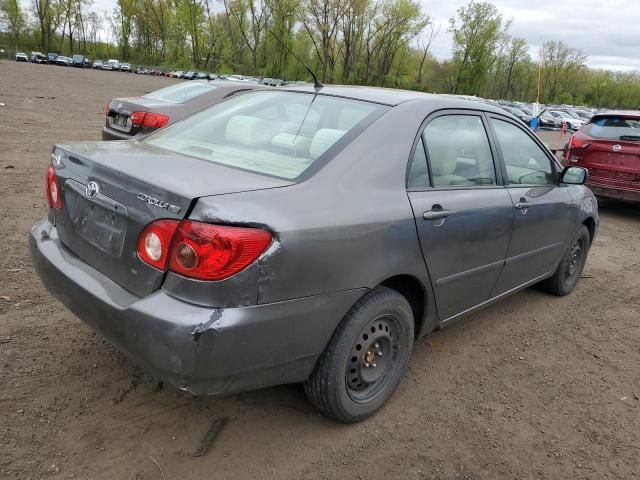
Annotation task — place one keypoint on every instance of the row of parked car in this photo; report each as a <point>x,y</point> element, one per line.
<point>80,61</point>
<point>115,65</point>
<point>195,75</point>
<point>552,116</point>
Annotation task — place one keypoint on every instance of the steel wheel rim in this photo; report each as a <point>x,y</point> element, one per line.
<point>373,359</point>
<point>574,260</point>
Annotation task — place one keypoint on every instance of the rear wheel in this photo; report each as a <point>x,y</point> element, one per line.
<point>366,358</point>
<point>570,269</point>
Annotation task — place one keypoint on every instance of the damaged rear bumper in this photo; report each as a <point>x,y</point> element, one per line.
<point>202,350</point>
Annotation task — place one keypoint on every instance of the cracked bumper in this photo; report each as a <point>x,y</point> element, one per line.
<point>235,349</point>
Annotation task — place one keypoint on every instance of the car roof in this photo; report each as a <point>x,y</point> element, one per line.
<point>621,113</point>
<point>392,96</point>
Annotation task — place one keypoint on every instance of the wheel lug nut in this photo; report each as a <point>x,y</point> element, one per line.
<point>366,365</point>
<point>373,365</point>
<point>375,345</point>
<point>379,353</point>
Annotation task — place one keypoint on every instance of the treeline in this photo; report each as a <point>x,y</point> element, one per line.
<point>364,42</point>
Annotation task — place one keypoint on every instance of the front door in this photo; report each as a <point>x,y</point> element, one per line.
<point>543,220</point>
<point>463,215</point>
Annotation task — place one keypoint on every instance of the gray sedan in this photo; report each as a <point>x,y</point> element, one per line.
<point>307,235</point>
<point>137,117</point>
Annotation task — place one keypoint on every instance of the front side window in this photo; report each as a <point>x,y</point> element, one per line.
<point>526,162</point>
<point>274,133</point>
<point>458,151</point>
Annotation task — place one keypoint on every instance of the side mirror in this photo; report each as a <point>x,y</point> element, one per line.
<point>574,175</point>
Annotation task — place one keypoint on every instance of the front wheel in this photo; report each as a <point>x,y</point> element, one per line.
<point>366,358</point>
<point>570,269</point>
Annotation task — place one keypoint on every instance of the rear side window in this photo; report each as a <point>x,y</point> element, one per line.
<point>614,127</point>
<point>274,133</point>
<point>458,151</point>
<point>181,93</point>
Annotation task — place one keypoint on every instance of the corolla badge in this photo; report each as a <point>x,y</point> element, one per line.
<point>616,148</point>
<point>91,190</point>
<point>158,203</point>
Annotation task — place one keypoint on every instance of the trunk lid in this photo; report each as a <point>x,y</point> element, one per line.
<point>112,190</point>
<point>609,146</point>
<point>612,163</point>
<point>119,110</point>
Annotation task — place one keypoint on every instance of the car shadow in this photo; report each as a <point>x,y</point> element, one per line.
<point>620,209</point>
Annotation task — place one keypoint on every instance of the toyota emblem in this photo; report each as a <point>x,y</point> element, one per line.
<point>616,148</point>
<point>91,190</point>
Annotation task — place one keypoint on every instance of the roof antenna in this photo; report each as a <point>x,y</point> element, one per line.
<point>316,83</point>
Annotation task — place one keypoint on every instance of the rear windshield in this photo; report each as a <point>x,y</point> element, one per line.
<point>614,127</point>
<point>273,133</point>
<point>181,93</point>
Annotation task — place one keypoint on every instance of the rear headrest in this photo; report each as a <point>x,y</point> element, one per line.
<point>247,130</point>
<point>296,144</point>
<point>323,139</point>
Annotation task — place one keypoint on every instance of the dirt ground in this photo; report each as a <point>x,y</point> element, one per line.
<point>535,387</point>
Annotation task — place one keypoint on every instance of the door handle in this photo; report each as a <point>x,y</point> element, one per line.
<point>436,214</point>
<point>522,205</point>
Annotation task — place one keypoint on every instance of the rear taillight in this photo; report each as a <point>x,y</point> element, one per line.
<point>52,189</point>
<point>201,250</point>
<point>154,242</point>
<point>215,252</point>
<point>149,120</point>
<point>575,149</point>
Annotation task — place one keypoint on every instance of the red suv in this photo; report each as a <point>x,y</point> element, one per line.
<point>609,147</point>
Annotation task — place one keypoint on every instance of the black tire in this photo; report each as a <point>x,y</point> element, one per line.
<point>365,359</point>
<point>566,277</point>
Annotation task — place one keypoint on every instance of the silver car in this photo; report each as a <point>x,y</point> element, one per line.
<point>307,235</point>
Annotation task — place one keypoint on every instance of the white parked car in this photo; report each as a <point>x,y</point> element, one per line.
<point>21,57</point>
<point>572,123</point>
<point>115,64</point>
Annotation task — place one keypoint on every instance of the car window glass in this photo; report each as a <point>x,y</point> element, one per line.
<point>614,127</point>
<point>418,170</point>
<point>275,133</point>
<point>526,162</point>
<point>458,151</point>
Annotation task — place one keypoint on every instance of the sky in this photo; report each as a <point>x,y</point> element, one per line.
<point>608,31</point>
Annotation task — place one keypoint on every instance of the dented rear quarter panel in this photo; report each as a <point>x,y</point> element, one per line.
<point>349,226</point>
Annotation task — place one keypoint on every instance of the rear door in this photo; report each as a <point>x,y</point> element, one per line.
<point>544,220</point>
<point>463,214</point>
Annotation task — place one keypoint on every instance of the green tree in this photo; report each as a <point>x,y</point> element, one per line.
<point>13,17</point>
<point>478,31</point>
<point>562,68</point>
